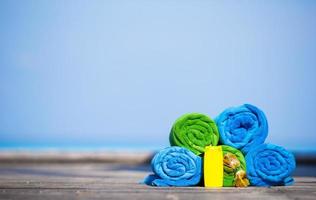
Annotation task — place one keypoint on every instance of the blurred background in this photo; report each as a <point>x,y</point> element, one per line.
<point>116,74</point>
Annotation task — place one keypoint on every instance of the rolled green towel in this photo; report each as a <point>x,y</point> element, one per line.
<point>234,167</point>
<point>194,131</point>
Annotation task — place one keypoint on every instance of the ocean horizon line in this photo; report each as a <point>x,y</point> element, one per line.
<point>107,147</point>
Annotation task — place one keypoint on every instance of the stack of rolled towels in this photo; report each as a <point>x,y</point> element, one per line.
<point>226,152</point>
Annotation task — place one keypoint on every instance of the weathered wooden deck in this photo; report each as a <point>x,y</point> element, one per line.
<point>91,180</point>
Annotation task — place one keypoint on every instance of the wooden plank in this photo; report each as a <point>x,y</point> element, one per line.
<point>57,156</point>
<point>118,181</point>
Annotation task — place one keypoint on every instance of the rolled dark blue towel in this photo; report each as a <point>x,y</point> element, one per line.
<point>270,165</point>
<point>242,127</point>
<point>175,166</point>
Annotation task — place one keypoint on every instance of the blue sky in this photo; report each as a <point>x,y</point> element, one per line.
<point>118,73</point>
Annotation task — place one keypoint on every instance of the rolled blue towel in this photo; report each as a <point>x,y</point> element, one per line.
<point>270,165</point>
<point>175,166</point>
<point>242,127</point>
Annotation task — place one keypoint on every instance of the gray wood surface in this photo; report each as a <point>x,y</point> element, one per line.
<point>59,156</point>
<point>121,181</point>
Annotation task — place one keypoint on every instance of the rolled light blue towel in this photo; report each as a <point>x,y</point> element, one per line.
<point>175,166</point>
<point>270,165</point>
<point>242,127</point>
